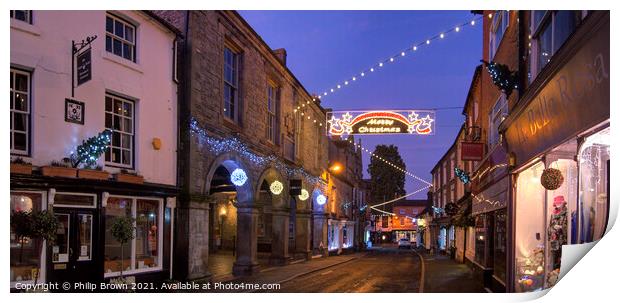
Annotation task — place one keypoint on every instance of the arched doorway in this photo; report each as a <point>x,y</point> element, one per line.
<point>273,212</point>
<point>232,223</point>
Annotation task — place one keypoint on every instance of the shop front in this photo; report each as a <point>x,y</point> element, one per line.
<point>558,137</point>
<point>84,249</point>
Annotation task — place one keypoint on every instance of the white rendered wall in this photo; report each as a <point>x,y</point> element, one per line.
<point>44,48</point>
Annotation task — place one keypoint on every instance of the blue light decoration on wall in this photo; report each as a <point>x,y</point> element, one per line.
<point>462,175</point>
<point>321,199</point>
<point>238,177</point>
<point>437,210</point>
<point>219,146</point>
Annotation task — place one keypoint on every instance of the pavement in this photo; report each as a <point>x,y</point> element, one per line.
<point>444,275</point>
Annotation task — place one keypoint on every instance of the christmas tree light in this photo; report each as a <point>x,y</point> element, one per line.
<point>91,149</point>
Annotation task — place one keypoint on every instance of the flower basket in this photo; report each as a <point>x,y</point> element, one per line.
<point>551,178</point>
<point>21,168</point>
<point>59,171</point>
<point>129,178</point>
<point>93,174</point>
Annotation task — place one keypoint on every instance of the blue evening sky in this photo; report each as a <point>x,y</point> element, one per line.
<point>327,47</point>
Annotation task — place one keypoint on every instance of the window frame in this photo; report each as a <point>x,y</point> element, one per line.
<point>499,25</point>
<point>28,113</point>
<point>123,40</point>
<point>498,113</point>
<point>234,86</point>
<point>160,237</point>
<point>28,14</point>
<point>132,153</point>
<point>272,113</point>
<point>93,206</point>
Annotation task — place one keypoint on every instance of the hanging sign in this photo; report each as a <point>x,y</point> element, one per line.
<point>84,70</point>
<point>472,151</point>
<point>414,122</point>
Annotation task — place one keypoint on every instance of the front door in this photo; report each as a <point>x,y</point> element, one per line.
<point>72,256</point>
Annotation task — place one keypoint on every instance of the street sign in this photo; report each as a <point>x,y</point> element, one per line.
<point>412,122</point>
<point>84,67</point>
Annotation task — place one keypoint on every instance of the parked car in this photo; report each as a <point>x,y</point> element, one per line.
<point>404,243</point>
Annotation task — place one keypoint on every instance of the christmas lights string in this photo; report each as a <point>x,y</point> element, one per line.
<point>400,198</point>
<point>219,146</point>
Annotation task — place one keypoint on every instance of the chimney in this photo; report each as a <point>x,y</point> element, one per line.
<point>281,54</point>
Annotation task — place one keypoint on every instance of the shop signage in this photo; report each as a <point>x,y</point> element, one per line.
<point>573,99</point>
<point>84,70</point>
<point>414,122</point>
<point>472,151</point>
<point>74,111</point>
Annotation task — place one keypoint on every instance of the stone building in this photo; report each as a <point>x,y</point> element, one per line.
<point>249,132</point>
<point>346,192</point>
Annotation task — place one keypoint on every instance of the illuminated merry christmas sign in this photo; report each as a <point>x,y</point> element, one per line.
<point>415,122</point>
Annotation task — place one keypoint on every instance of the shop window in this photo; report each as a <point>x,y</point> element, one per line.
<point>120,37</point>
<point>143,253</point>
<point>498,28</point>
<point>594,186</point>
<point>499,243</point>
<point>530,230</point>
<point>561,207</point>
<point>20,112</point>
<point>480,239</point>
<point>25,252</point>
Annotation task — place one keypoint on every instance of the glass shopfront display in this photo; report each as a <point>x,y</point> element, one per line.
<point>25,252</point>
<point>499,243</point>
<point>594,186</point>
<point>529,230</point>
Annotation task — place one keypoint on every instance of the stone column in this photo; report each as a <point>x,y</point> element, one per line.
<point>279,237</point>
<point>247,231</point>
<point>302,234</point>
<point>198,244</point>
<point>320,233</point>
<point>341,225</point>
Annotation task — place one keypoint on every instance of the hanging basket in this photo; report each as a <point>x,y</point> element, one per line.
<point>551,178</point>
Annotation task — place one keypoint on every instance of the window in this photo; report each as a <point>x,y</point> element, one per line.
<point>144,252</point>
<point>25,16</point>
<point>551,29</point>
<point>384,221</point>
<point>119,118</point>
<point>498,27</point>
<point>25,254</point>
<point>231,78</point>
<point>20,111</point>
<point>120,37</point>
<point>272,96</point>
<point>496,116</point>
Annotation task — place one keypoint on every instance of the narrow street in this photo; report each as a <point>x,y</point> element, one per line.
<point>385,269</point>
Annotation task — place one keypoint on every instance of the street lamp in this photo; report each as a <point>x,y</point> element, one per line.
<point>336,168</point>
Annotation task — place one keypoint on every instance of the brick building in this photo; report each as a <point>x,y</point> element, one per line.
<point>249,128</point>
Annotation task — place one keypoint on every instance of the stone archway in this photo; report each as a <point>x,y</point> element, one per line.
<point>245,257</point>
<point>277,204</point>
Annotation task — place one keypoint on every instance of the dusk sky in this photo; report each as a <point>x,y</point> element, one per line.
<point>327,47</point>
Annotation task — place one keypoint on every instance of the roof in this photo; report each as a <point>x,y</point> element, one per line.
<point>163,22</point>
<point>471,87</point>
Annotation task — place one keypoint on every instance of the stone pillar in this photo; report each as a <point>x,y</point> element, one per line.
<point>279,237</point>
<point>320,233</point>
<point>247,231</point>
<point>341,225</point>
<point>198,244</point>
<point>302,234</point>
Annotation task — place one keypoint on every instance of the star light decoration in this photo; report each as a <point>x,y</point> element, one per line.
<point>238,177</point>
<point>276,187</point>
<point>219,146</point>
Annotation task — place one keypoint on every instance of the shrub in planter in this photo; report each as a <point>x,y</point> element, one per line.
<point>125,176</point>
<point>19,166</point>
<point>97,174</point>
<point>59,169</point>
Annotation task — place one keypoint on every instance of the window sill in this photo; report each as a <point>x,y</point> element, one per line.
<point>122,61</point>
<point>25,27</point>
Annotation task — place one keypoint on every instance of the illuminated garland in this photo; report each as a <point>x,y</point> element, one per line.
<point>233,144</point>
<point>462,175</point>
<point>501,75</point>
<point>91,149</point>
